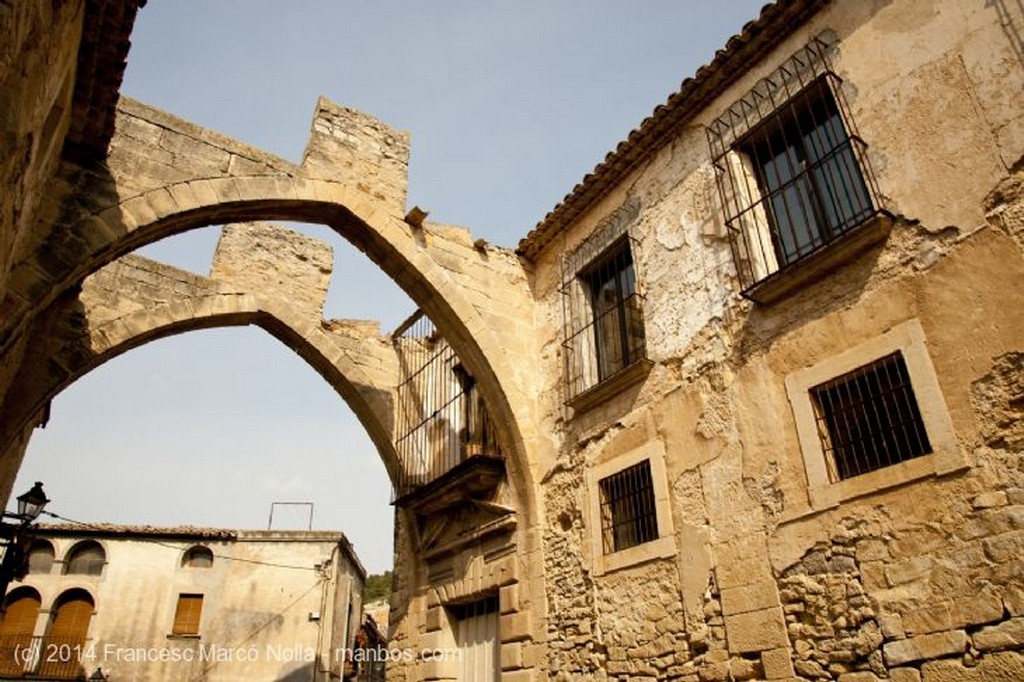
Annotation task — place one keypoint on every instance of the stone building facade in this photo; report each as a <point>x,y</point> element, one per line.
<point>147,603</point>
<point>746,405</point>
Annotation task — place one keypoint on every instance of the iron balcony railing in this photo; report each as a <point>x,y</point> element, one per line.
<point>45,657</point>
<point>441,419</point>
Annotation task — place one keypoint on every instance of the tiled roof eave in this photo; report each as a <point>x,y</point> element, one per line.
<point>775,23</point>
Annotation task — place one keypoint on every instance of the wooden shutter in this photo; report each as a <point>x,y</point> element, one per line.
<point>186,616</point>
<point>71,624</point>
<point>16,629</point>
<point>20,616</point>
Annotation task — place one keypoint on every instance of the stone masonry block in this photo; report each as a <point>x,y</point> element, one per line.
<point>435,618</point>
<point>264,258</point>
<point>924,647</point>
<point>756,631</point>
<point>508,598</point>
<point>995,498</point>
<point>1006,635</point>
<point>511,656</point>
<point>754,597</point>
<point>742,562</point>
<point>977,610</point>
<point>931,618</point>
<point>859,676</point>
<point>907,571</point>
<point>904,675</point>
<point>528,675</point>
<point>1007,666</point>
<point>515,627</point>
<point>777,664</point>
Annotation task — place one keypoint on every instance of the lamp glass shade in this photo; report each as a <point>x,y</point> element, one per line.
<point>30,504</point>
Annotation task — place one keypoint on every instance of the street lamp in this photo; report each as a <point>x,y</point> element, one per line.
<point>30,506</point>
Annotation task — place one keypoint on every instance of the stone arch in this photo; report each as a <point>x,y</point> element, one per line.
<point>49,369</point>
<point>413,257</point>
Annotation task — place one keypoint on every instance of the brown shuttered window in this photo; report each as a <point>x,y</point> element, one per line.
<point>16,628</point>
<point>19,618</point>
<point>186,616</point>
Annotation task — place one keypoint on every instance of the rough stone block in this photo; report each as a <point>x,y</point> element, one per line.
<point>1004,547</point>
<point>996,498</point>
<point>977,610</point>
<point>1006,635</point>
<point>891,625</point>
<point>907,571</point>
<point>753,597</point>
<point>924,647</point>
<point>1013,601</point>
<point>1007,666</point>
<point>756,631</point>
<point>742,562</point>
<point>859,676</point>
<point>932,618</point>
<point>777,664</point>
<point>904,675</point>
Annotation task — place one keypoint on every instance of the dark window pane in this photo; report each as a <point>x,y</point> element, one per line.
<point>869,419</point>
<point>628,515</point>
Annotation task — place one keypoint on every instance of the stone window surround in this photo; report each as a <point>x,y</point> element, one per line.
<point>946,456</point>
<point>662,547</point>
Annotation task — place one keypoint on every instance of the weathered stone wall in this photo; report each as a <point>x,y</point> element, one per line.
<point>763,583</point>
<point>246,630</point>
<point>37,76</point>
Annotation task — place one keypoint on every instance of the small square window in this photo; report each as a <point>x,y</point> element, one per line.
<point>872,417</point>
<point>869,419</point>
<point>628,514</point>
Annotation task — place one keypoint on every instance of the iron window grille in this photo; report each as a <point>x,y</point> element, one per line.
<point>869,419</point>
<point>628,514</point>
<point>791,169</point>
<point>441,418</point>
<point>602,306</point>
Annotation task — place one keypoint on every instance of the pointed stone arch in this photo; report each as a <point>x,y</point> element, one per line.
<point>352,179</point>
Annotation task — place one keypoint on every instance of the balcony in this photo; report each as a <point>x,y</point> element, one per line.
<point>447,446</point>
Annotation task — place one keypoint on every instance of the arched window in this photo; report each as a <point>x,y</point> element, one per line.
<point>85,558</point>
<point>18,623</point>
<point>198,557</point>
<point>69,628</point>
<point>40,556</point>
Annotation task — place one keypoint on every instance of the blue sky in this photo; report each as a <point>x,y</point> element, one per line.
<point>508,104</point>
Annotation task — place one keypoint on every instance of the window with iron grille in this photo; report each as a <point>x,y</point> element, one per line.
<point>618,320</point>
<point>792,171</point>
<point>869,419</point>
<point>602,305</point>
<point>628,514</point>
